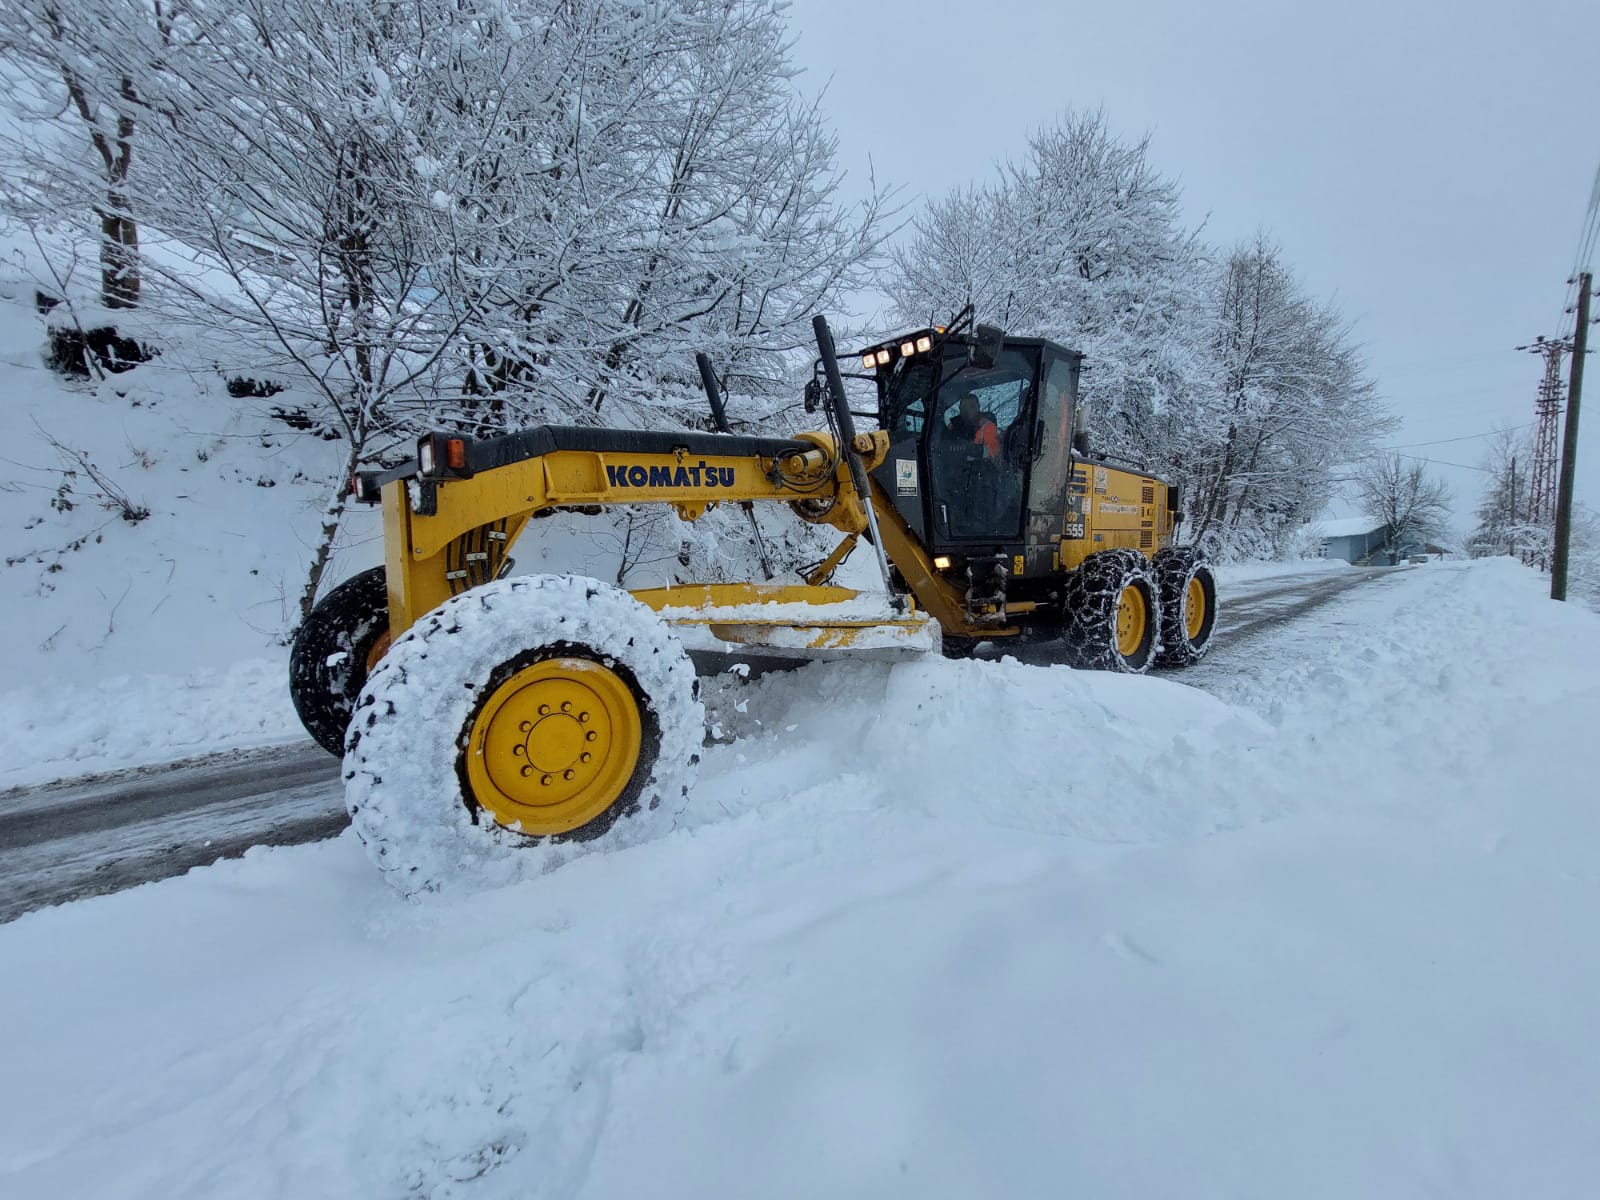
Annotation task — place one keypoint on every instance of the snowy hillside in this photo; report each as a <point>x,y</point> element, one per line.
<point>937,929</point>
<point>177,622</point>
<point>174,621</point>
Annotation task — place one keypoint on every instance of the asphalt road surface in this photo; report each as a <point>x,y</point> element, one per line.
<point>99,834</point>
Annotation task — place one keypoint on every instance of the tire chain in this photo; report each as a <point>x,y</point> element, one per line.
<point>1174,567</point>
<point>1089,610</point>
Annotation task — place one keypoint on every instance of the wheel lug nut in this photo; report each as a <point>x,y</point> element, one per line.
<point>566,706</point>
<point>546,781</point>
<point>527,770</point>
<point>544,710</point>
<point>590,736</point>
<point>519,750</point>
<point>567,774</point>
<point>585,756</point>
<point>583,718</point>
<point>525,727</point>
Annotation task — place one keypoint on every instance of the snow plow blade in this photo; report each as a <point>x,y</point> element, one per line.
<point>791,622</point>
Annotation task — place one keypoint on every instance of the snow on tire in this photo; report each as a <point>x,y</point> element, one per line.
<point>1098,624</point>
<point>1188,604</point>
<point>434,748</point>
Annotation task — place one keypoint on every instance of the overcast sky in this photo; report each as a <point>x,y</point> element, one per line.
<point>1427,165</point>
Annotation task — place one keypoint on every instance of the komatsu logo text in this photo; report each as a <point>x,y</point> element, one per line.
<point>701,475</point>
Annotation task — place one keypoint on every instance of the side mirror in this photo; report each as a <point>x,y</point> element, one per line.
<point>813,395</point>
<point>988,341</point>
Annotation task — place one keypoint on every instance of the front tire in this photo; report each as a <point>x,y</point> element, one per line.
<point>1111,613</point>
<point>531,711</point>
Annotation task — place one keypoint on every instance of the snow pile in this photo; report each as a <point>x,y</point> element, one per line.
<point>860,607</point>
<point>937,929</point>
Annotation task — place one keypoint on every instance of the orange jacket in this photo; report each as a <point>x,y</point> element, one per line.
<point>989,437</point>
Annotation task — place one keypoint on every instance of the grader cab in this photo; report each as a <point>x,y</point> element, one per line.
<point>480,713</point>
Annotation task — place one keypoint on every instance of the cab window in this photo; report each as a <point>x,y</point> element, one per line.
<point>1001,392</point>
<point>908,398</point>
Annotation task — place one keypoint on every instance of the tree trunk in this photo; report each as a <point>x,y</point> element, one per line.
<point>332,518</point>
<point>119,254</point>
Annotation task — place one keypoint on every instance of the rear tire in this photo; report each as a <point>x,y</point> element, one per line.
<point>1188,604</point>
<point>1111,613</point>
<point>531,711</point>
<point>334,649</point>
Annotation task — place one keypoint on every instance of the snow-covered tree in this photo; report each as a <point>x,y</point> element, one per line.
<point>1405,498</point>
<point>1289,400</point>
<point>686,199</point>
<point>479,213</point>
<point>1079,241</point>
<point>1224,375</point>
<point>1502,512</point>
<point>1583,556</point>
<point>53,61</point>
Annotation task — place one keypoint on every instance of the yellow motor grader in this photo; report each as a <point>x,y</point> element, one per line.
<point>479,712</point>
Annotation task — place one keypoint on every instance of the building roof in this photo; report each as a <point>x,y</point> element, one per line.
<point>1348,526</point>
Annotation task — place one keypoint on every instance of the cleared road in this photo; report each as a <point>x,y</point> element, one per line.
<point>87,837</point>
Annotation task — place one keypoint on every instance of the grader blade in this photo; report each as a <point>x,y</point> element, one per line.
<point>791,622</point>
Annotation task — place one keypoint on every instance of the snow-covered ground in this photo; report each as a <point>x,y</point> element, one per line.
<point>931,929</point>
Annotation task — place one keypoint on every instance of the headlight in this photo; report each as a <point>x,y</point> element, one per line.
<point>868,362</point>
<point>924,344</point>
<point>426,461</point>
<point>883,358</point>
<point>907,349</point>
<point>941,563</point>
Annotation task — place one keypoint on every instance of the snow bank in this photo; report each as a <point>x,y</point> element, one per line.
<point>937,929</point>
<point>58,730</point>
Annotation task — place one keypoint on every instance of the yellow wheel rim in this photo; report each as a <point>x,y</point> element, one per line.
<point>1194,608</point>
<point>1132,616</point>
<point>554,746</point>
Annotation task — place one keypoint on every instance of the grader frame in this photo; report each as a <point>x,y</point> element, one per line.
<point>479,714</point>
<point>450,518</point>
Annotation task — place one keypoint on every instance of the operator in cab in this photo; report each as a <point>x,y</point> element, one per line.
<point>970,425</point>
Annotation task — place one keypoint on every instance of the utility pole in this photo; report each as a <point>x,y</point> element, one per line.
<point>1547,411</point>
<point>1512,550</point>
<point>1569,444</point>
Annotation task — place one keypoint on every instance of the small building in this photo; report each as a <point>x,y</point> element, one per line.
<point>1365,542</point>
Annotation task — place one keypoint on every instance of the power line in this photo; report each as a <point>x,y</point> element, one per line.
<point>1442,463</point>
<point>1583,259</point>
<point>1466,437</point>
